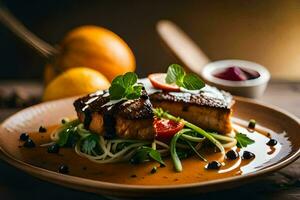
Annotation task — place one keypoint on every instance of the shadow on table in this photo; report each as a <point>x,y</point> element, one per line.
<point>14,184</point>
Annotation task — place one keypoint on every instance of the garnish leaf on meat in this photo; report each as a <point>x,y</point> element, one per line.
<point>125,86</point>
<point>243,140</point>
<point>116,91</point>
<point>177,75</point>
<point>192,82</point>
<point>144,154</point>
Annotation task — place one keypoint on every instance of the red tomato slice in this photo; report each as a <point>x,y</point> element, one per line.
<point>165,129</point>
<point>158,81</point>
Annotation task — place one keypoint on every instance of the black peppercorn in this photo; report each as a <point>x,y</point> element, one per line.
<point>42,129</point>
<point>144,96</point>
<point>53,148</point>
<point>153,170</point>
<point>247,155</point>
<point>64,169</point>
<point>213,165</point>
<point>252,124</point>
<point>24,137</point>
<point>232,155</point>
<point>29,143</point>
<point>64,120</point>
<point>162,165</point>
<point>272,142</point>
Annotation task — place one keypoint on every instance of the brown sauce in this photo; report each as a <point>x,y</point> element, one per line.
<point>193,168</point>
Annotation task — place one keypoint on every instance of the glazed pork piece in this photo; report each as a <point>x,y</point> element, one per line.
<point>132,119</point>
<point>209,109</point>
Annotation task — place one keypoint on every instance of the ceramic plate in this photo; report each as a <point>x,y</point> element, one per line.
<point>47,114</point>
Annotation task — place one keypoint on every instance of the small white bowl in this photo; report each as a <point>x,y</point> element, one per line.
<point>250,88</point>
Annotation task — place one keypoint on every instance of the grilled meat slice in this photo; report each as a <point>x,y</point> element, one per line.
<point>209,109</point>
<point>126,118</point>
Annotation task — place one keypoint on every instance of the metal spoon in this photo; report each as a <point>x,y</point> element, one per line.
<point>13,24</point>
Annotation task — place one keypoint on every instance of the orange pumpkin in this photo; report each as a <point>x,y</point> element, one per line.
<point>96,48</point>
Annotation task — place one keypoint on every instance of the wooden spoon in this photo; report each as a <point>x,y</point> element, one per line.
<point>182,46</point>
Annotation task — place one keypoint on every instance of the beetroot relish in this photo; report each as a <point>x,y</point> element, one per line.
<point>235,73</point>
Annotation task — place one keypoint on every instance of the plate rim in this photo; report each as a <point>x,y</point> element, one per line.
<point>63,179</point>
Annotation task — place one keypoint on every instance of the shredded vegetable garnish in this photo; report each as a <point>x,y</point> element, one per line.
<point>186,142</point>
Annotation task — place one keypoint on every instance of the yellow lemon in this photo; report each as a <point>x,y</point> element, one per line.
<point>94,47</point>
<point>75,81</point>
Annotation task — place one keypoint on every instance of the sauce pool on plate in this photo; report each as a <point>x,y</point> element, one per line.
<point>194,169</point>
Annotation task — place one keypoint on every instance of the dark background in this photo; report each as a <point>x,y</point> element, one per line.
<point>267,32</point>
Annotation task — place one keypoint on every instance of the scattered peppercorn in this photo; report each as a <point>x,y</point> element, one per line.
<point>42,129</point>
<point>213,165</point>
<point>247,155</point>
<point>272,142</point>
<point>145,97</point>
<point>64,120</point>
<point>53,148</point>
<point>29,143</point>
<point>64,169</point>
<point>162,165</point>
<point>232,155</point>
<point>24,137</point>
<point>252,124</point>
<point>154,170</point>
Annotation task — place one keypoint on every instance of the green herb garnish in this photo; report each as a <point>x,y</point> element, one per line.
<point>174,155</point>
<point>125,86</point>
<point>90,144</point>
<point>68,135</point>
<point>243,140</point>
<point>177,75</point>
<point>160,113</point>
<point>144,154</point>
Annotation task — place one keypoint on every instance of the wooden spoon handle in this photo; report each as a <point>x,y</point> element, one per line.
<point>182,46</point>
<point>22,32</point>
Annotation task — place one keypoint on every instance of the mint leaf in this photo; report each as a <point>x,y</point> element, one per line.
<point>135,93</point>
<point>125,86</point>
<point>118,80</point>
<point>243,140</point>
<point>129,79</point>
<point>116,92</point>
<point>192,82</point>
<point>175,74</point>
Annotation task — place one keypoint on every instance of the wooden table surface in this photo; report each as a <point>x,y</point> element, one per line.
<point>283,185</point>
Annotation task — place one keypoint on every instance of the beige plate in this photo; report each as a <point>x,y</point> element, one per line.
<point>49,113</point>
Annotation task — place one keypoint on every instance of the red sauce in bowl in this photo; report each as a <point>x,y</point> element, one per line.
<point>235,73</point>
